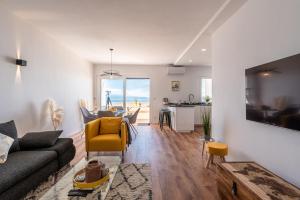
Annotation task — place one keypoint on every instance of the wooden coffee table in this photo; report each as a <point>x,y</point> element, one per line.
<point>60,190</point>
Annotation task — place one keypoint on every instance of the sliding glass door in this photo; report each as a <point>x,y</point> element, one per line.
<point>130,93</point>
<point>138,96</point>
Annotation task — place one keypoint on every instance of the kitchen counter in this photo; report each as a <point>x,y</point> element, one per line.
<point>182,118</point>
<point>181,105</point>
<point>185,116</point>
<point>186,104</point>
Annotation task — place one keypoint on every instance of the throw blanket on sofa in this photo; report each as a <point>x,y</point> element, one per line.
<point>129,138</point>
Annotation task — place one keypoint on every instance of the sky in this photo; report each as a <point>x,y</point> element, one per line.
<point>135,87</point>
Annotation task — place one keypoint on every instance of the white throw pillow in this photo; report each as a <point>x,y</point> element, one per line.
<point>5,144</point>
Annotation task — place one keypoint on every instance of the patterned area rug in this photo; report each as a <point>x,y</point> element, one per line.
<point>132,181</point>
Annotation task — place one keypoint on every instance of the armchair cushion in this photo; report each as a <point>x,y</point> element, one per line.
<point>110,125</point>
<point>107,142</point>
<point>39,139</point>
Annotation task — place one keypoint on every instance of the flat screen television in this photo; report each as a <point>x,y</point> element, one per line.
<point>273,93</point>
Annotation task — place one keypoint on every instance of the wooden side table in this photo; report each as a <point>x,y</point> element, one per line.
<point>250,181</point>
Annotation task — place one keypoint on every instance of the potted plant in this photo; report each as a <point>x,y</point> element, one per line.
<point>207,99</point>
<point>206,125</point>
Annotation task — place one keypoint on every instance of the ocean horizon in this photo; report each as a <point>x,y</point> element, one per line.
<point>119,98</point>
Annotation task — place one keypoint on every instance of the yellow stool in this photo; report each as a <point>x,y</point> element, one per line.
<point>216,149</point>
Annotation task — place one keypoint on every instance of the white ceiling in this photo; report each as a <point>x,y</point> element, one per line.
<point>140,31</point>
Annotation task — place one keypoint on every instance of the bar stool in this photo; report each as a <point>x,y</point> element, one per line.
<point>216,149</point>
<point>165,114</point>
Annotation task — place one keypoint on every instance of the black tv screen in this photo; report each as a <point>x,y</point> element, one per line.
<point>273,93</point>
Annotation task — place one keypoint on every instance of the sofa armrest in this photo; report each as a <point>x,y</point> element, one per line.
<point>91,130</point>
<point>65,150</point>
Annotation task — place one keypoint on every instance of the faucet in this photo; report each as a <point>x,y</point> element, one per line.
<point>191,96</point>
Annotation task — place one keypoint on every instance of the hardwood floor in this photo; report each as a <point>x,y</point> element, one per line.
<point>178,169</point>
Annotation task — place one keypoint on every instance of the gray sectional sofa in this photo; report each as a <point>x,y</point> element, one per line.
<point>27,167</point>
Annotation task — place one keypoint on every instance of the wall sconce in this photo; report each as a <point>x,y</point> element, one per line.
<point>20,62</point>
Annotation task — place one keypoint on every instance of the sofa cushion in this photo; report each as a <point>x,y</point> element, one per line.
<point>20,189</point>
<point>22,164</point>
<point>110,125</point>
<point>9,129</point>
<point>39,139</point>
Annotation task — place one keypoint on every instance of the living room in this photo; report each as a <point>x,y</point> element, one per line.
<point>197,58</point>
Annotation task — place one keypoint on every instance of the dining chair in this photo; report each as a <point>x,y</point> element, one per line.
<point>87,116</point>
<point>106,113</point>
<point>132,120</point>
<point>118,108</point>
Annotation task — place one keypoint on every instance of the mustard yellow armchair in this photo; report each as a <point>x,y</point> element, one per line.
<point>106,134</point>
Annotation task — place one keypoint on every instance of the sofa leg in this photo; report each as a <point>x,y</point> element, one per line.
<point>54,179</point>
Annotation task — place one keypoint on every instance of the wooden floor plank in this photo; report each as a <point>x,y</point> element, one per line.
<point>178,169</point>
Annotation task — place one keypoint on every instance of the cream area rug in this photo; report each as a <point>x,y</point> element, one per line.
<point>132,182</point>
<point>45,186</point>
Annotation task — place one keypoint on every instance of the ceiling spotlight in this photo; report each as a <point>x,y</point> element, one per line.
<point>190,60</point>
<point>203,49</point>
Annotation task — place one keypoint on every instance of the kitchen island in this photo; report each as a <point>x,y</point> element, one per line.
<point>182,118</point>
<point>185,116</point>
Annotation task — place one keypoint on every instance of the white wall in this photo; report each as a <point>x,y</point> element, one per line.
<point>160,83</point>
<point>260,32</point>
<point>52,72</point>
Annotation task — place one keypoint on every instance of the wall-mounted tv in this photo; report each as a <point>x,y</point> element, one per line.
<point>273,93</point>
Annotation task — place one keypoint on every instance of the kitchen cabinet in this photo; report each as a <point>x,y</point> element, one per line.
<point>182,118</point>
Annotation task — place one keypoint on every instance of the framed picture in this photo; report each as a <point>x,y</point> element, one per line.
<point>175,85</point>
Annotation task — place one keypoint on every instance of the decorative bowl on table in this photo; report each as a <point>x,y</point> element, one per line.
<point>94,175</point>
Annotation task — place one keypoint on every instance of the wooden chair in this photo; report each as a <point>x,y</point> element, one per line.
<point>132,120</point>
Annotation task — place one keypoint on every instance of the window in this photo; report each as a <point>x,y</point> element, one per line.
<point>114,88</point>
<point>206,89</point>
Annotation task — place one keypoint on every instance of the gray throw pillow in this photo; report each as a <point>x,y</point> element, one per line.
<point>9,129</point>
<point>39,139</point>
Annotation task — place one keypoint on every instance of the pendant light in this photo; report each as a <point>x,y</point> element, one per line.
<point>111,73</point>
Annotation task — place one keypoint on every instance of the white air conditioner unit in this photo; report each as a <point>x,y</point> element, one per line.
<point>176,70</point>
